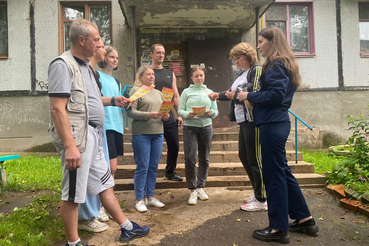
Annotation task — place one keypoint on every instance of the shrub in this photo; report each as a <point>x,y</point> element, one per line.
<point>353,172</point>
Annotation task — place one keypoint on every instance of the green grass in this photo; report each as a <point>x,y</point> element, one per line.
<point>323,161</point>
<point>33,173</point>
<point>38,223</point>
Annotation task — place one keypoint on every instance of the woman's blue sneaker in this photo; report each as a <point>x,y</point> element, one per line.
<point>137,231</point>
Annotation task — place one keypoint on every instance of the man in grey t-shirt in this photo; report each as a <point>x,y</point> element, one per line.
<point>83,170</point>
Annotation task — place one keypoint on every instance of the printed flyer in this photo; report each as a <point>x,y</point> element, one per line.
<point>167,94</point>
<point>140,92</point>
<point>166,107</point>
<point>199,110</point>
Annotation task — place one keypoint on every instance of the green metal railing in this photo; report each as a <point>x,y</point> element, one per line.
<point>303,122</point>
<point>126,91</point>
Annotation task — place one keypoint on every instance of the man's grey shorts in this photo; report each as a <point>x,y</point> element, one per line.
<point>94,175</point>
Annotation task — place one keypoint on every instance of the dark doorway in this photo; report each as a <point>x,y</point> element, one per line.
<point>214,55</point>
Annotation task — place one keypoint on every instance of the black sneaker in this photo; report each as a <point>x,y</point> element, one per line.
<point>174,177</point>
<point>308,227</point>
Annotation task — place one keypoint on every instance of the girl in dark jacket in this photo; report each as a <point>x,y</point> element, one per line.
<point>278,83</point>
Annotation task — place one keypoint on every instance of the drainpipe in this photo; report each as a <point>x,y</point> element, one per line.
<point>257,12</point>
<point>32,44</point>
<point>341,84</point>
<point>133,9</point>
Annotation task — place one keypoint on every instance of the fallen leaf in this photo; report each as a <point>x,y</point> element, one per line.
<point>343,217</point>
<point>238,220</point>
<point>248,220</point>
<point>180,233</point>
<point>298,240</point>
<point>321,219</point>
<point>359,222</point>
<point>343,239</point>
<point>10,234</point>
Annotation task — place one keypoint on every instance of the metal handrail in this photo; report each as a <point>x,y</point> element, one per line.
<point>303,122</point>
<point>126,89</point>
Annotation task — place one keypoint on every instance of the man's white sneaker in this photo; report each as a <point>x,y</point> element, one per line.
<point>255,206</point>
<point>201,194</point>
<point>93,225</point>
<point>193,198</point>
<point>250,199</point>
<point>141,207</point>
<point>103,216</point>
<point>154,203</point>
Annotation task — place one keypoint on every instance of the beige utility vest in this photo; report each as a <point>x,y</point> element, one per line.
<point>77,106</point>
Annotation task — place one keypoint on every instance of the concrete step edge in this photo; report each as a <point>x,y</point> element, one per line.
<point>214,165</point>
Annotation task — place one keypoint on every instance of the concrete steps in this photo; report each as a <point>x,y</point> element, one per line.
<point>225,167</point>
<point>215,157</point>
<point>306,180</point>
<point>215,169</point>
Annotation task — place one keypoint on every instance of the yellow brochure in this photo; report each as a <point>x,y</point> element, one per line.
<point>199,110</point>
<point>166,107</point>
<point>167,94</point>
<point>140,92</point>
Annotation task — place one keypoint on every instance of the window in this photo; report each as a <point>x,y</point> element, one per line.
<point>364,28</point>
<point>296,21</point>
<point>98,13</point>
<point>3,30</point>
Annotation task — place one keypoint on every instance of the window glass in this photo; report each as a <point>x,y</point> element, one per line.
<point>101,17</point>
<point>281,25</point>
<point>66,35</point>
<point>276,12</point>
<point>364,11</point>
<point>3,30</point>
<point>364,27</point>
<point>295,20</point>
<point>364,36</point>
<point>74,12</point>
<point>299,28</point>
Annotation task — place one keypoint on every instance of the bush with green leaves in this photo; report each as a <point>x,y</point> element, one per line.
<point>353,172</point>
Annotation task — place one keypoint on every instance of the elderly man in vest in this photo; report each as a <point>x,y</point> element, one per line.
<point>77,111</point>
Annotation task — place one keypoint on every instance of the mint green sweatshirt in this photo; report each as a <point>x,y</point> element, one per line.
<point>195,96</point>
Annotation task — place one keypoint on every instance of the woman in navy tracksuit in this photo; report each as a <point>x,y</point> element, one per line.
<point>278,83</point>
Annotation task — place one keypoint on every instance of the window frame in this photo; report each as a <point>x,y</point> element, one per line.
<point>6,55</point>
<point>87,6</point>
<point>362,53</point>
<point>310,6</point>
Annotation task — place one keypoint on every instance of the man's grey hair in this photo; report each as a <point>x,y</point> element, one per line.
<point>80,27</point>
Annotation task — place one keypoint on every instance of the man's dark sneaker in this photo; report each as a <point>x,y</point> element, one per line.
<point>174,177</point>
<point>308,227</point>
<point>137,231</point>
<point>78,244</point>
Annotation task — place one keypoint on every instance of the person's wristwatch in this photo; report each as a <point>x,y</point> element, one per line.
<point>112,101</point>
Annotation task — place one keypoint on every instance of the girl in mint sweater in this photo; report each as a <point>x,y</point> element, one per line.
<point>197,133</point>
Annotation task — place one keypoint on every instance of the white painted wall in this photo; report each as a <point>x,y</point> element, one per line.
<point>355,68</point>
<point>15,71</point>
<point>24,120</point>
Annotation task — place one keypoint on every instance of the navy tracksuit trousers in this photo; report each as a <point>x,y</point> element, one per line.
<point>283,192</point>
